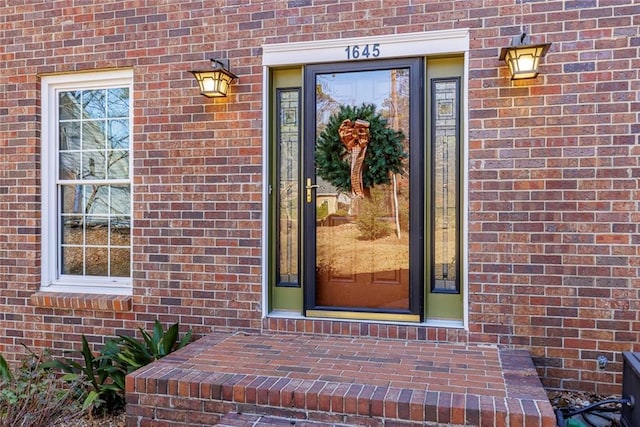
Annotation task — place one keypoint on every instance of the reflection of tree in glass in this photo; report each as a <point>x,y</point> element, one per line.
<point>105,103</point>
<point>395,109</point>
<point>388,90</point>
<point>94,132</point>
<point>87,118</point>
<point>326,106</point>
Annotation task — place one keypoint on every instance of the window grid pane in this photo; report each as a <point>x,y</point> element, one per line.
<point>94,195</point>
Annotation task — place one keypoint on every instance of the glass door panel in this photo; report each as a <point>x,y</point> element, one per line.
<point>360,169</point>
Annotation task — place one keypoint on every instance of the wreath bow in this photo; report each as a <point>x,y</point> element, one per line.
<point>355,136</point>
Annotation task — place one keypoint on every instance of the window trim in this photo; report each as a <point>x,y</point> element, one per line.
<point>51,85</point>
<point>391,46</point>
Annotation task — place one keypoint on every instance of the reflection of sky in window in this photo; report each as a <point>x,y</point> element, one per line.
<point>118,134</point>
<point>370,87</point>
<point>118,102</point>
<point>94,134</point>
<point>357,88</point>
<point>94,104</point>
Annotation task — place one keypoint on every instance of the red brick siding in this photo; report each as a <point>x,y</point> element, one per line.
<point>553,165</point>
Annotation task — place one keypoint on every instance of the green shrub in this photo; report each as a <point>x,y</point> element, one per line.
<point>104,374</point>
<point>132,354</point>
<point>322,211</point>
<point>370,214</point>
<point>34,396</point>
<point>104,391</point>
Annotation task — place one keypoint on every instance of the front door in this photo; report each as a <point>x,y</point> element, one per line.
<point>363,242</point>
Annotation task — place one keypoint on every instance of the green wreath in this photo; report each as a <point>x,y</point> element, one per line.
<point>385,152</point>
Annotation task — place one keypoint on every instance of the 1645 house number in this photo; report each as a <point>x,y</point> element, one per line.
<point>363,51</point>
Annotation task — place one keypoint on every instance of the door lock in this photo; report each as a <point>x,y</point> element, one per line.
<point>309,187</point>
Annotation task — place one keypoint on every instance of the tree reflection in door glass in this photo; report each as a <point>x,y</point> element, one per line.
<point>362,228</point>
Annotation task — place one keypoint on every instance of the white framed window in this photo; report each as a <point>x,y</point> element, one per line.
<point>87,121</point>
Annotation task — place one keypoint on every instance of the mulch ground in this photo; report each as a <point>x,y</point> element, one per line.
<point>109,420</point>
<point>574,400</point>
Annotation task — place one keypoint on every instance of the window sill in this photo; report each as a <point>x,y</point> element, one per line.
<point>77,301</point>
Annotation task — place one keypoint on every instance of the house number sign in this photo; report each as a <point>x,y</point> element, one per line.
<point>363,51</point>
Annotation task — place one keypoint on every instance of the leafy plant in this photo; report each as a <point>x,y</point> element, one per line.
<point>5,371</point>
<point>104,373</point>
<point>98,372</point>
<point>134,354</point>
<point>34,396</point>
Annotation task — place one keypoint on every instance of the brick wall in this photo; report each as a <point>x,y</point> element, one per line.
<point>553,166</point>
<point>554,179</point>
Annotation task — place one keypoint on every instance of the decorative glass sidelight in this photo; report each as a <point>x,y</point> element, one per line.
<point>288,146</point>
<point>445,130</point>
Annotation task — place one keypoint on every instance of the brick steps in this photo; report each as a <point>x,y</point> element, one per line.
<point>335,381</point>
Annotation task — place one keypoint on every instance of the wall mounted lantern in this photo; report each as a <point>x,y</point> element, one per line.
<point>523,58</point>
<point>215,83</point>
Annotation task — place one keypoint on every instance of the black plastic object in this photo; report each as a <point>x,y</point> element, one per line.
<point>630,414</point>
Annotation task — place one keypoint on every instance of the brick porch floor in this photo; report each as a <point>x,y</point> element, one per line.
<point>322,380</point>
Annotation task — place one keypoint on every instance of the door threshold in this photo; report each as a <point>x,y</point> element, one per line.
<point>366,316</point>
<point>436,323</point>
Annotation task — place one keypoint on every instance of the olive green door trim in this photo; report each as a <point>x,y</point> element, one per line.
<point>280,57</point>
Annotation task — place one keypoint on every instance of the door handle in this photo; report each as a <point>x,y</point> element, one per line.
<point>309,187</point>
